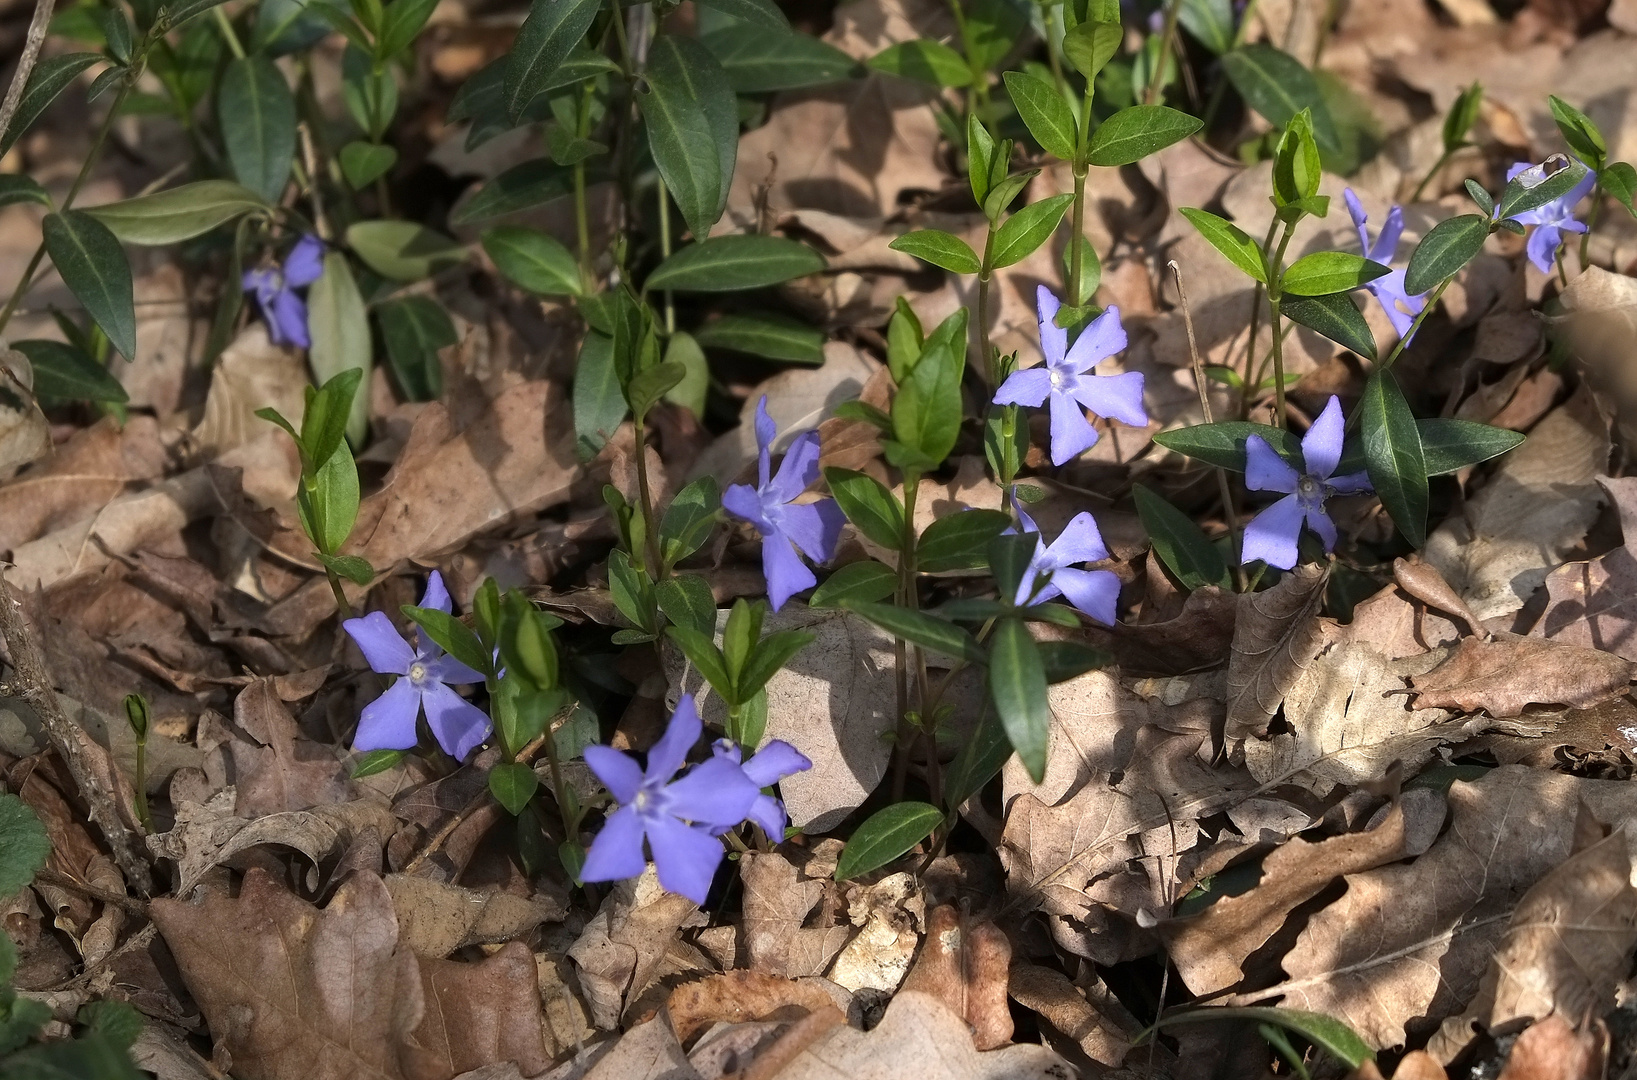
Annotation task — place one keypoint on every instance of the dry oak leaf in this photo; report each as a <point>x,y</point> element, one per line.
<point>294,992</point>
<point>1093,1019</point>
<point>777,900</point>
<point>740,996</point>
<point>620,952</point>
<point>1594,604</point>
<point>436,918</point>
<point>1276,634</point>
<point>1504,675</point>
<point>85,473</point>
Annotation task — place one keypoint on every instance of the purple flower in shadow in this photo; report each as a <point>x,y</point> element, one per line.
<point>1068,381</point>
<point>674,816</point>
<point>1092,592</point>
<point>1400,306</point>
<point>388,722</point>
<point>786,525</point>
<point>1272,535</point>
<point>766,767</point>
<point>1552,220</point>
<point>275,291</point>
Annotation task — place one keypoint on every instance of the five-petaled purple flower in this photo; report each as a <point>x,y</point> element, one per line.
<point>1552,220</point>
<point>786,525</point>
<point>388,722</point>
<point>1271,535</point>
<point>285,312</point>
<point>1400,306</point>
<point>766,767</point>
<point>1068,380</point>
<point>674,816</point>
<point>1093,592</point>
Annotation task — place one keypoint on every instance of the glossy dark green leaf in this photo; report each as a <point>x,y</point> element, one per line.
<point>328,508</point>
<point>1535,187</point>
<point>257,114</point>
<point>1004,192</point>
<point>1027,229</point>
<point>1091,45</point>
<point>1223,443</point>
<point>757,60</point>
<point>1017,686</point>
<point>93,266</point>
<point>24,846</point>
<point>353,568</point>
<point>1277,86</point>
<point>1044,113</point>
<point>731,263</point>
<point>1620,180</point>
<point>1448,246</point>
<point>769,655</point>
<point>1181,545</point>
<point>17,188</point>
<point>362,163</point>
<point>454,636</point>
<point>926,412</point>
<point>179,213</point>
<point>1210,22</point>
<point>414,329</point>
<point>703,654</point>
<point>64,373</point>
<point>979,759</point>
<point>773,336</point>
<point>1462,115</point>
<point>521,187</point>
<point>693,127</point>
<point>927,631</point>
<point>376,761</point>
<point>550,32</point>
<point>959,541</point>
<point>1065,660</point>
<point>324,424</point>
<point>338,323</point>
<point>688,521</point>
<point>860,582</point>
<point>1133,133</point>
<point>185,10</point>
<point>1324,1032</point>
<point>981,157</point>
<point>759,12</point>
<point>1393,455</point>
<point>1232,241</point>
<point>687,601</point>
<point>1334,316</point>
<point>1448,445</point>
<point>647,387</point>
<point>532,260</point>
<point>512,783</point>
<point>1325,273</point>
<point>924,61</point>
<point>872,509</point>
<point>403,250</point>
<point>401,22</point>
<point>944,250</point>
<point>993,30</point>
<point>1296,164</point>
<point>886,835</point>
<point>48,79</point>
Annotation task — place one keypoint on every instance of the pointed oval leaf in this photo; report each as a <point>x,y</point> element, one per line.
<point>403,250</point>
<point>1326,1032</point>
<point>773,336</point>
<point>62,372</point>
<point>364,162</point>
<point>531,260</point>
<point>338,323</point>
<point>868,504</point>
<point>861,582</point>
<point>758,60</point>
<point>1528,190</point>
<point>1044,113</point>
<point>1336,317</point>
<point>550,32</point>
<point>48,79</point>
<point>885,835</point>
<point>944,250</point>
<point>1277,86</point>
<point>521,187</point>
<point>1184,549</point>
<point>257,113</point>
<point>928,631</point>
<point>1091,45</point>
<point>177,214</point>
<point>1448,246</point>
<point>414,329</point>
<point>924,61</point>
<point>512,783</point>
<point>1223,443</point>
<point>1027,229</point>
<point>599,403</point>
<point>1135,132</point>
<point>687,601</point>
<point>959,541</point>
<point>730,263</point>
<point>1324,273</point>
<point>1017,686</point>
<point>1393,455</point>
<point>16,188</point>
<point>1232,241</point>
<point>763,13</point>
<point>1448,445</point>
<point>93,266</point>
<point>693,127</point>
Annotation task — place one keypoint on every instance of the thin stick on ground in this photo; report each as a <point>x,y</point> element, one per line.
<point>37,27</point>
<point>36,687</point>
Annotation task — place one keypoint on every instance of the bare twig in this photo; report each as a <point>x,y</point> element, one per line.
<point>25,63</point>
<point>34,682</point>
<point>107,896</point>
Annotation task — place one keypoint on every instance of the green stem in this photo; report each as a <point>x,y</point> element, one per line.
<point>906,598</point>
<point>582,219</point>
<point>1415,196</point>
<point>1077,225</point>
<point>1432,302</point>
<point>1156,81</point>
<point>1591,223</point>
<point>665,251</point>
<point>645,499</point>
<point>229,35</point>
<point>1275,273</point>
<point>1253,379</point>
<point>140,782</point>
<point>341,605</point>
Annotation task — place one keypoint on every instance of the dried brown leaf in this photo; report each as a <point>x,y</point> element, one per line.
<point>1554,1050</point>
<point>1101,1027</point>
<point>436,918</point>
<point>777,900</point>
<point>1276,634</point>
<point>285,772</point>
<point>85,473</point>
<point>620,952</point>
<point>1594,604</point>
<point>1503,676</point>
<point>476,1015</point>
<point>740,996</point>
<point>963,963</point>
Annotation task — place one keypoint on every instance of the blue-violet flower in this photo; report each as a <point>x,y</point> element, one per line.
<point>786,525</point>
<point>1093,592</point>
<point>1067,379</point>
<point>766,767</point>
<point>1552,220</point>
<point>1272,535</point>
<point>1400,306</point>
<point>274,288</point>
<point>388,722</point>
<point>674,816</point>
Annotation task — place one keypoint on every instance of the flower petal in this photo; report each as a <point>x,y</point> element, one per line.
<point>1027,387</point>
<point>814,527</point>
<point>619,772</point>
<point>786,574</point>
<point>1321,446</point>
<point>1320,522</point>
<point>773,762</point>
<point>616,853</point>
<point>1097,342</point>
<point>667,756</point>
<point>1349,483</point>
<point>766,432</point>
<point>1542,247</point>
<point>799,468</point>
<point>1054,340</point>
<point>714,792</point>
<point>1072,433</point>
<point>1118,397</point>
<point>388,722</point>
<point>287,320</point>
<point>1355,210</point>
<point>1079,542</point>
<point>458,725</point>
<point>1385,248</point>
<point>743,501</point>
<point>685,858</point>
<point>383,647</point>
<point>1271,535</point>
<point>305,263</point>
<point>1265,470</point>
<point>436,595</point>
<point>1095,592</point>
<point>768,813</point>
<point>446,669</point>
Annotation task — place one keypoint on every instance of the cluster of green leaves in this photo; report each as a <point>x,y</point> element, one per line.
<point>738,669</point>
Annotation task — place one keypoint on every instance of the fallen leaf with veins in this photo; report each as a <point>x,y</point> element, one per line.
<point>778,898</point>
<point>739,996</point>
<point>1553,1050</point>
<point>436,918</point>
<point>1100,1026</point>
<point>1503,676</point>
<point>1276,634</point>
<point>1594,604</point>
<point>963,963</point>
<point>87,471</point>
<point>620,951</point>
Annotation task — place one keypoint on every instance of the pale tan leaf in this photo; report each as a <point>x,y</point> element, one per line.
<point>1554,1050</point>
<point>621,949</point>
<point>778,898</point>
<point>1505,675</point>
<point>436,918</point>
<point>1276,634</point>
<point>1102,1028</point>
<point>1594,604</point>
<point>963,963</point>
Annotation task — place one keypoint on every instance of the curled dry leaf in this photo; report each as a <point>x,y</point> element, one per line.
<point>889,915</point>
<point>1594,604</point>
<point>621,949</point>
<point>1553,1050</point>
<point>1503,676</point>
<point>1415,1065</point>
<point>1276,634</point>
<point>739,996</point>
<point>24,432</point>
<point>86,472</point>
<point>963,964</point>
<point>1095,1021</point>
<point>777,899</point>
<point>436,918</point>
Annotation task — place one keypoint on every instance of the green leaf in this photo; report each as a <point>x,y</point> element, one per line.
<point>1232,241</point>
<point>757,60</point>
<point>599,403</point>
<point>1297,167</point>
<point>1132,134</point>
<point>770,654</point>
<point>454,636</point>
<point>532,260</point>
<point>1325,273</point>
<point>979,759</point>
<point>1535,187</point>
<point>1325,1032</point>
<point>1091,45</point>
<point>773,336</point>
<point>1027,229</point>
<point>693,129</point>
<point>868,504</point>
<point>1044,113</point>
<point>414,329</point>
<point>689,519</point>
<point>521,187</point>
<point>1462,115</point>
<point>959,541</point>
<point>860,582</point>
<point>324,424</point>
<point>648,387</point>
<point>731,263</point>
<point>981,157</point>
<point>48,79</point>
<point>376,761</point>
<point>885,835</point>
<point>760,12</point>
<point>512,783</point>
<point>1620,180</point>
<point>1334,316</point>
<point>1223,443</point>
<point>176,214</point>
<point>1210,22</point>
<point>703,654</point>
<point>1582,135</point>
<point>1447,246</point>
<point>354,568</point>
<point>403,250</point>
<point>1003,192</point>
<point>63,372</point>
<point>93,266</point>
<point>689,391</point>
<point>339,326</point>
<point>1065,660</point>
<point>24,846</point>
<point>941,249</point>
<point>926,413</point>
<point>1277,86</point>
<point>1448,445</point>
<point>924,61</point>
<point>1010,556</point>
<point>687,601</point>
<point>362,163</point>
<point>328,507</point>
<point>1017,686</point>
<point>927,631</point>
<point>401,22</point>
<point>1184,549</point>
<point>740,634</point>
<point>257,114</point>
<point>550,32</point>
<point>17,188</point>
<point>1393,455</point>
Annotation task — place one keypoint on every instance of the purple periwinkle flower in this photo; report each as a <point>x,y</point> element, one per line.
<point>1067,379</point>
<point>388,722</point>
<point>1093,592</point>
<point>766,767</point>
<point>275,291</point>
<point>1552,220</point>
<point>674,816</point>
<point>1400,306</point>
<point>786,525</point>
<point>1271,535</point>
